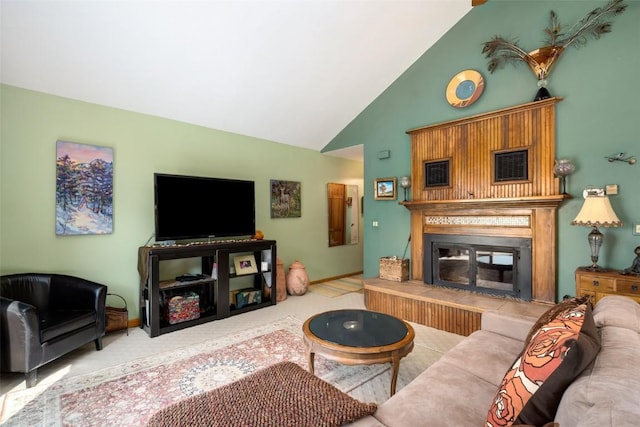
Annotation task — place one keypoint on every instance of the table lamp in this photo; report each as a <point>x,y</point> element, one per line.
<point>596,212</point>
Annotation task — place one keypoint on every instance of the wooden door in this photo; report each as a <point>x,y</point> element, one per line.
<point>336,197</point>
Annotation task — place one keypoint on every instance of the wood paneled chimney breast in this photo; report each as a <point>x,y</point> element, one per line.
<point>489,175</point>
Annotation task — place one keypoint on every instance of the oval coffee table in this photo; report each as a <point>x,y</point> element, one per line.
<point>358,337</point>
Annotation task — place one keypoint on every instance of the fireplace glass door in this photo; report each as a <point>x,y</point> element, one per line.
<point>470,263</point>
<point>495,269</point>
<point>453,264</point>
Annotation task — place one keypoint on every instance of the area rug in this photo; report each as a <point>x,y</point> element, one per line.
<point>130,393</point>
<point>337,287</point>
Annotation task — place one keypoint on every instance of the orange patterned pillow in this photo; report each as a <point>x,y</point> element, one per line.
<point>556,354</point>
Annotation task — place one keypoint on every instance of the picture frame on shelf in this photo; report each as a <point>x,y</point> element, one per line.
<point>245,264</point>
<point>385,188</point>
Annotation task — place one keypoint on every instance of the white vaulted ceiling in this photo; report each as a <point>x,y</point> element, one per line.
<point>290,71</point>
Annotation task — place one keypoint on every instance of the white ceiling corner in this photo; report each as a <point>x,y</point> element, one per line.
<point>290,71</point>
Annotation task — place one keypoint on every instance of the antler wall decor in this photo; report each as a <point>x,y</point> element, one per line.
<point>500,51</point>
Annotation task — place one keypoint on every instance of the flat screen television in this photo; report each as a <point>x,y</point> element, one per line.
<point>192,207</point>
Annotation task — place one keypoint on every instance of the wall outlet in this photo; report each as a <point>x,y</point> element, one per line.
<point>611,189</point>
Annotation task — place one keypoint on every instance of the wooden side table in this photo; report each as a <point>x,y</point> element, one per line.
<point>598,284</point>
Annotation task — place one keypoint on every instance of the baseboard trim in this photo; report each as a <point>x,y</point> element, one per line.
<point>327,279</point>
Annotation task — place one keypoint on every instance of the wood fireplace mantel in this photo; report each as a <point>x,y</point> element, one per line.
<point>540,201</point>
<point>473,202</point>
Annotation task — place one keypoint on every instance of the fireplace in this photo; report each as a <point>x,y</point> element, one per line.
<point>480,179</point>
<point>483,205</point>
<point>490,265</point>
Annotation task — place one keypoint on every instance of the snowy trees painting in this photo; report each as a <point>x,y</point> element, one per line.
<point>84,189</point>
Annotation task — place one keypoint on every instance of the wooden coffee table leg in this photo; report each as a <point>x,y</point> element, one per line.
<point>395,362</point>
<point>311,358</point>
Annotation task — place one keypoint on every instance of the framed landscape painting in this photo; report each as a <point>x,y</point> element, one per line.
<point>84,189</point>
<point>385,188</point>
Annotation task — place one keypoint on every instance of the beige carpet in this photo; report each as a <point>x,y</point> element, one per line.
<point>130,393</point>
<point>69,372</point>
<point>338,287</point>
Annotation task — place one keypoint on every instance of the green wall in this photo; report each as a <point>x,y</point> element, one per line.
<point>32,122</point>
<point>597,117</point>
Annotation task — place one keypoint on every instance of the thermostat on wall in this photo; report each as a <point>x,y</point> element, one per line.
<point>384,154</point>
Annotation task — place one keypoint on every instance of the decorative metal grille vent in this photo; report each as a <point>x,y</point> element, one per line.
<point>512,166</point>
<point>437,174</point>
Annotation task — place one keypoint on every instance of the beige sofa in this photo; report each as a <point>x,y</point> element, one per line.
<point>459,389</point>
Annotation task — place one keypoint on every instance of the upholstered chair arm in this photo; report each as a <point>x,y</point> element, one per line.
<point>20,329</point>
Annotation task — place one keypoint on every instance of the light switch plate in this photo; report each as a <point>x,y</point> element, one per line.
<point>636,228</point>
<point>611,189</point>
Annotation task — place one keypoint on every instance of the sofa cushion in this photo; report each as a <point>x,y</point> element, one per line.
<point>486,355</point>
<point>511,325</point>
<point>616,310</point>
<point>563,343</point>
<point>469,373</point>
<point>443,395</point>
<point>607,394</point>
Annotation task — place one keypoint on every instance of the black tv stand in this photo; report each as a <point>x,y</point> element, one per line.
<point>214,286</point>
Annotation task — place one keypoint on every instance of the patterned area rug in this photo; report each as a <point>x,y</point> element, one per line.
<point>130,393</point>
<point>337,287</point>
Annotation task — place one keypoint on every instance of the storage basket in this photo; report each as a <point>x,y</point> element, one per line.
<point>181,308</point>
<point>394,268</point>
<point>117,317</point>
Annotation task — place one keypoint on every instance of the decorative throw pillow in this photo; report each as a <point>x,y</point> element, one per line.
<point>564,343</point>
<point>553,312</point>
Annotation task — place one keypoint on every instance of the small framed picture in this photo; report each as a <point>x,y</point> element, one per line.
<point>385,188</point>
<point>245,264</point>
